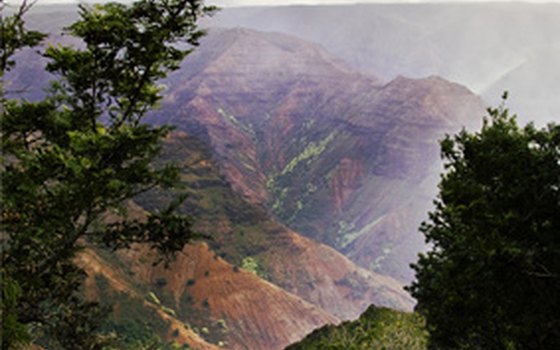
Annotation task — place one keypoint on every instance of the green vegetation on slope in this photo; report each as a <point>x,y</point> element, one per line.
<point>135,317</point>
<point>377,328</point>
<point>312,150</point>
<point>287,205</point>
<point>248,128</point>
<point>237,229</point>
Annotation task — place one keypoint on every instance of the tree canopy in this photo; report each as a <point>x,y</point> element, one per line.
<point>80,154</point>
<point>377,328</point>
<point>491,279</point>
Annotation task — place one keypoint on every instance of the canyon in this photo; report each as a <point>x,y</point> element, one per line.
<point>309,165</point>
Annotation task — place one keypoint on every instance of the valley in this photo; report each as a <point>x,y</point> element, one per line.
<point>309,158</point>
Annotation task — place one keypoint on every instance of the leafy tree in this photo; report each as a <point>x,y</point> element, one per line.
<point>15,36</point>
<point>80,154</point>
<point>377,328</point>
<point>491,279</point>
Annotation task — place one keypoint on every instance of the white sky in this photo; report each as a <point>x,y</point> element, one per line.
<point>226,3</point>
<point>325,2</point>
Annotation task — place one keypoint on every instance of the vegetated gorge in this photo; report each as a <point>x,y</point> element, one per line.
<point>310,171</point>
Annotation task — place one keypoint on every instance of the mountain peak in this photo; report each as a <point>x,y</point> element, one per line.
<point>246,55</point>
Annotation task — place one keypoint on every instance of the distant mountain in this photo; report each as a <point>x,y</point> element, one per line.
<point>259,78</point>
<point>474,44</point>
<point>334,154</point>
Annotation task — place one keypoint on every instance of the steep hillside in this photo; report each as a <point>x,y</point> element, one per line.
<point>220,294</point>
<point>241,86</point>
<point>135,315</point>
<point>225,305</point>
<point>199,300</point>
<point>328,151</point>
<point>239,230</point>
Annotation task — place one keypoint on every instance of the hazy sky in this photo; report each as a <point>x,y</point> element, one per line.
<point>313,2</point>
<point>226,3</point>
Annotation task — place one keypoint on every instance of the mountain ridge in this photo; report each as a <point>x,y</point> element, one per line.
<point>302,145</point>
<point>470,43</point>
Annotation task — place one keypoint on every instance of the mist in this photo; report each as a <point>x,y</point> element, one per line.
<point>488,47</point>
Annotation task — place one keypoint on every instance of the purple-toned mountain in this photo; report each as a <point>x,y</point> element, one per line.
<point>242,85</point>
<point>335,155</point>
<point>489,46</point>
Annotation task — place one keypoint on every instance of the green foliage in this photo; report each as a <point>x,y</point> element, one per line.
<point>250,264</point>
<point>312,150</point>
<point>222,324</point>
<point>11,328</point>
<point>15,36</point>
<point>377,328</point>
<point>205,303</point>
<point>210,195</point>
<point>152,297</point>
<point>161,282</point>
<point>81,153</point>
<point>491,280</point>
<point>138,326</point>
<point>232,119</point>
<point>169,311</point>
<point>148,341</point>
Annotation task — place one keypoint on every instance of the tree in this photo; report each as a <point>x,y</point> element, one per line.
<point>376,328</point>
<point>491,279</point>
<point>80,154</point>
<point>15,36</point>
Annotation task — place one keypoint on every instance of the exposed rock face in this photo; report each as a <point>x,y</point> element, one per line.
<point>314,272</point>
<point>121,287</point>
<point>332,281</point>
<point>330,152</point>
<point>245,88</point>
<point>256,313</point>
